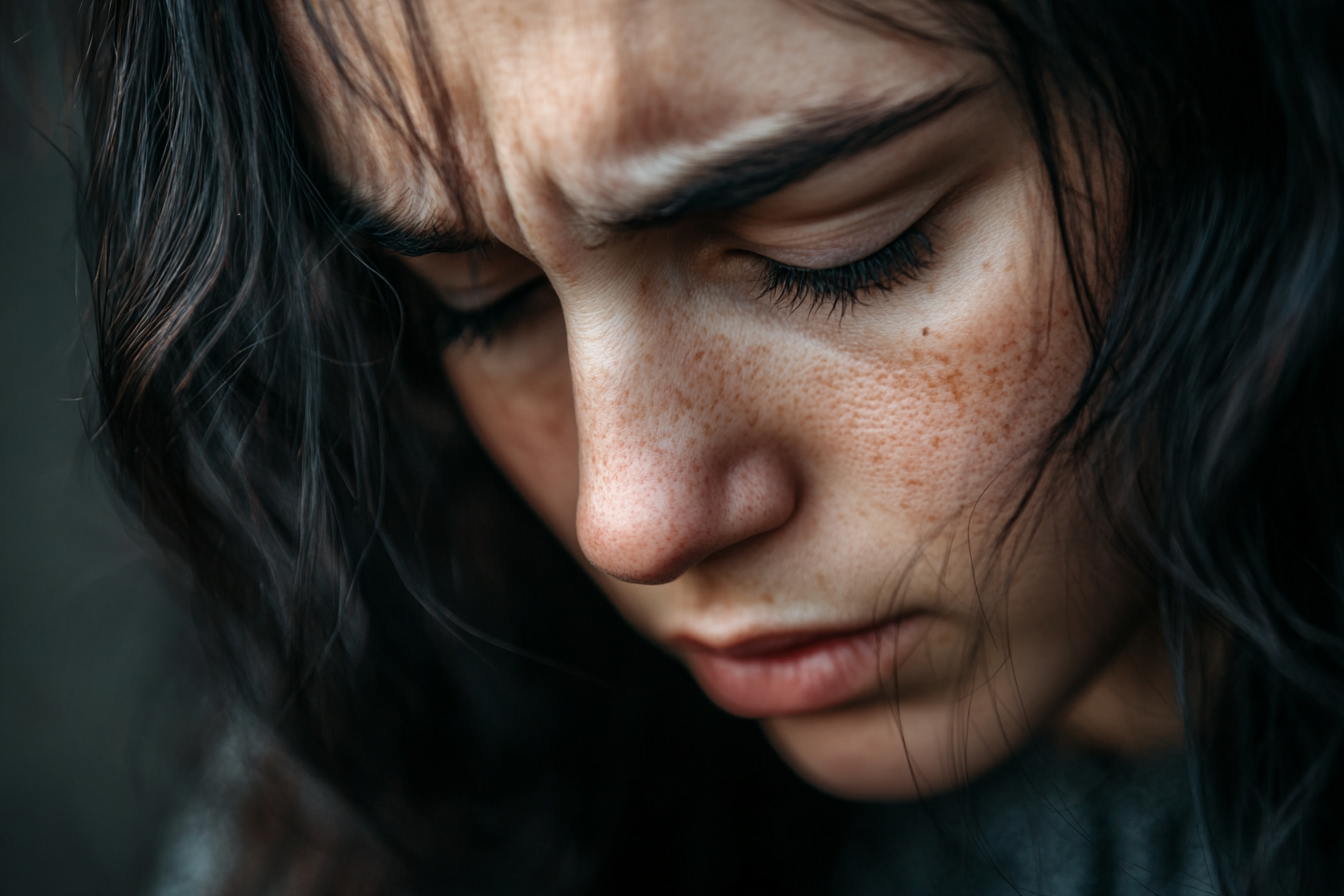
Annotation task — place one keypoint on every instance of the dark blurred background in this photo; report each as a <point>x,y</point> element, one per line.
<point>100,683</point>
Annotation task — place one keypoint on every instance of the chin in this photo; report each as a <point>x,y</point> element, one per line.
<point>873,751</point>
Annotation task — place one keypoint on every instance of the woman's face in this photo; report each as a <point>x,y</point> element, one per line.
<point>767,321</point>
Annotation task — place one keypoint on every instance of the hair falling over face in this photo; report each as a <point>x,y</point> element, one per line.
<point>395,593</point>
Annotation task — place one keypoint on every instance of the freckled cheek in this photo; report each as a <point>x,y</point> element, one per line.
<point>928,424</point>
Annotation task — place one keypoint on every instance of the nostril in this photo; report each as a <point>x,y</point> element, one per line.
<point>654,519</point>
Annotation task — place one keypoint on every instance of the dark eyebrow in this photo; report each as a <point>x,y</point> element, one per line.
<point>756,171</point>
<point>403,239</point>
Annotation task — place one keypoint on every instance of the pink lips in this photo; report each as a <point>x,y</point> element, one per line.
<point>801,672</point>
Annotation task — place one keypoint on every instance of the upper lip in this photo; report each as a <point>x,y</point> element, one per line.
<point>775,643</point>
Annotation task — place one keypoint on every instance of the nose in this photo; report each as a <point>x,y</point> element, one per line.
<point>675,464</point>
<point>647,514</point>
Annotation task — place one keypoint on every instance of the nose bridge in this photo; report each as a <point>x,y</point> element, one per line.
<point>674,463</point>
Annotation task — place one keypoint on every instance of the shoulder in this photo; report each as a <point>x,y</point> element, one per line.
<point>259,822</point>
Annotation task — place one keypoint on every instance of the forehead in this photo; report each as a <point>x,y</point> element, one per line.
<point>460,105</point>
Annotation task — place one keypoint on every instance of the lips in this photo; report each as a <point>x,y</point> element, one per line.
<point>790,673</point>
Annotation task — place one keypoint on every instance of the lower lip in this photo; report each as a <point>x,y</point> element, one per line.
<point>822,674</point>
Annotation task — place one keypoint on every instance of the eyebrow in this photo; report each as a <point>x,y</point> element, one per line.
<point>404,239</point>
<point>747,173</point>
<point>724,179</point>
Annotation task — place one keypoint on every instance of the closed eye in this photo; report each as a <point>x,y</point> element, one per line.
<point>485,323</point>
<point>844,286</point>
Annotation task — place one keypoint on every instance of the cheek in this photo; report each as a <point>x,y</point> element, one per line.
<point>936,406</point>
<point>517,396</point>
<point>964,406</point>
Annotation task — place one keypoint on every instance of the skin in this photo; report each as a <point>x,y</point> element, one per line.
<point>726,467</point>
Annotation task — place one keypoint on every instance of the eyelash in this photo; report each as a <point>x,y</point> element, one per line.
<point>901,260</point>
<point>485,323</point>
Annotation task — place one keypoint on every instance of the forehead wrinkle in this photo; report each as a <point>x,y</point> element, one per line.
<point>645,177</point>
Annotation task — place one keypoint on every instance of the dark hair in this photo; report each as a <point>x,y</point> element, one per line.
<point>273,405</point>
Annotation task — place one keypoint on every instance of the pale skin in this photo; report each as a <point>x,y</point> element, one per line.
<point>724,466</point>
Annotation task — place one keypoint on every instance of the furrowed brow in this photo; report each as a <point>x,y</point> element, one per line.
<point>739,177</point>
<point>748,174</point>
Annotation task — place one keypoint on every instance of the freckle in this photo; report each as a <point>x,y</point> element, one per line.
<point>926,331</point>
<point>700,354</point>
<point>937,441</point>
<point>952,379</point>
<point>914,483</point>
<point>984,266</point>
<point>767,598</point>
<point>648,358</point>
<point>645,286</point>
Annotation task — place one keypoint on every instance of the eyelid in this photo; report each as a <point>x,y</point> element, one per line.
<point>484,323</point>
<point>824,241</point>
<point>869,200</point>
<point>470,281</point>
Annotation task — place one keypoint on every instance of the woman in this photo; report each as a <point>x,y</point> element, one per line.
<point>947,386</point>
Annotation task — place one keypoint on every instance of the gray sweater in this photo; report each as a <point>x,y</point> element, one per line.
<point>1048,822</point>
